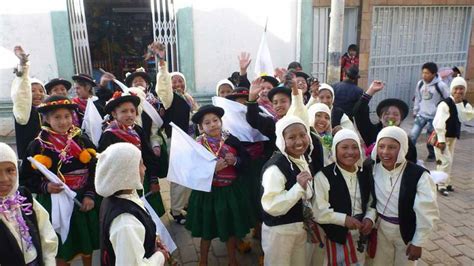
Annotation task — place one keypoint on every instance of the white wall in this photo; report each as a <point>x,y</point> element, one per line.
<point>223,29</point>
<point>28,23</point>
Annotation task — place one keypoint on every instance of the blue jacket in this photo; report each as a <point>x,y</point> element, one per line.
<point>346,95</point>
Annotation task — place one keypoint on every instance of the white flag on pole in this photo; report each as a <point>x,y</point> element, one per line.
<point>92,122</point>
<point>191,165</point>
<point>263,63</point>
<point>235,121</point>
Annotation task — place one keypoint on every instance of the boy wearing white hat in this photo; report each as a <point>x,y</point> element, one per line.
<point>27,236</point>
<point>128,233</point>
<point>344,203</point>
<point>450,113</point>
<point>405,200</point>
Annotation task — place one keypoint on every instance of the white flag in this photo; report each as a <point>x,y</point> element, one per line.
<point>263,63</point>
<point>191,165</point>
<point>161,230</point>
<point>92,122</point>
<point>235,121</point>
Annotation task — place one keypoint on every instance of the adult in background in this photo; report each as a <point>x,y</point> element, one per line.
<point>346,92</point>
<point>430,90</point>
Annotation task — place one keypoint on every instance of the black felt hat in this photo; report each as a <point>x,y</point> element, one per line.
<point>56,81</point>
<point>55,102</point>
<point>84,78</point>
<point>140,72</point>
<point>401,105</point>
<point>206,109</point>
<point>118,98</point>
<point>239,92</point>
<point>271,79</point>
<point>277,90</point>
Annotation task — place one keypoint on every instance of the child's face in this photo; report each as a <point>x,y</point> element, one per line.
<point>427,75</point>
<point>321,122</point>
<point>60,120</point>
<point>177,83</point>
<point>325,97</point>
<point>224,90</point>
<point>296,140</point>
<point>211,124</point>
<point>125,114</point>
<point>302,84</point>
<point>59,90</point>
<point>8,174</point>
<point>391,114</point>
<point>37,94</point>
<point>281,103</point>
<point>139,82</point>
<point>387,150</point>
<point>347,153</point>
<point>82,91</point>
<point>266,87</point>
<point>458,93</point>
<point>352,53</point>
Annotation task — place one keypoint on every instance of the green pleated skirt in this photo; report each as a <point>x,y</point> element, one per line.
<point>252,183</point>
<point>155,200</point>
<point>83,237</point>
<point>224,212</point>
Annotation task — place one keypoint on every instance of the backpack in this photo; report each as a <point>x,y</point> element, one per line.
<point>420,84</point>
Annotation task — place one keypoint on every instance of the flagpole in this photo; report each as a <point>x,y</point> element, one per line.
<point>266,23</point>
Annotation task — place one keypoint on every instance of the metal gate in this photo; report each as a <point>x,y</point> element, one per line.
<point>403,38</point>
<point>80,41</point>
<point>165,30</point>
<point>321,36</point>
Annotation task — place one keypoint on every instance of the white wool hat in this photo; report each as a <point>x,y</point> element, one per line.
<point>8,155</point>
<point>344,134</point>
<point>35,80</point>
<point>397,134</point>
<point>222,82</point>
<point>172,74</point>
<point>325,86</point>
<point>118,169</point>
<point>458,81</point>
<point>316,108</point>
<point>281,125</point>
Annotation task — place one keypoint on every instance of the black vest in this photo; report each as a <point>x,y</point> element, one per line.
<point>336,116</point>
<point>453,126</point>
<point>177,113</point>
<point>10,253</point>
<point>340,199</point>
<point>25,134</point>
<point>317,154</point>
<point>112,207</point>
<point>406,200</point>
<point>295,214</point>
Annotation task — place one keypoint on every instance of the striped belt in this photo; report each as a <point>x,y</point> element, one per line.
<point>392,220</point>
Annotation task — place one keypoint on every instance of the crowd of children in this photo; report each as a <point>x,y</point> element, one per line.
<point>326,188</point>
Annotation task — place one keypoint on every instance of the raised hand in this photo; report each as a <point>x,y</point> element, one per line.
<point>21,54</point>
<point>255,89</point>
<point>244,62</point>
<point>156,49</point>
<point>280,73</point>
<point>376,86</point>
<point>106,78</point>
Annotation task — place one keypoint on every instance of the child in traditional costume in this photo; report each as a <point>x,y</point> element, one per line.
<point>390,111</point>
<point>406,200</point>
<point>26,94</point>
<point>286,183</point>
<point>320,120</point>
<point>224,88</point>
<point>123,107</point>
<point>128,233</point>
<point>223,212</point>
<point>27,236</point>
<point>343,202</point>
<point>450,113</point>
<point>62,148</point>
<point>84,86</point>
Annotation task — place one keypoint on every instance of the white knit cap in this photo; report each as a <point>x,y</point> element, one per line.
<point>118,169</point>
<point>281,125</point>
<point>316,108</point>
<point>222,82</point>
<point>458,81</point>
<point>397,134</point>
<point>172,74</point>
<point>8,155</point>
<point>325,86</point>
<point>35,80</point>
<point>344,134</point>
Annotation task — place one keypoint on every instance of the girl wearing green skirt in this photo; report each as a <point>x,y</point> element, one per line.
<point>225,211</point>
<point>69,154</point>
